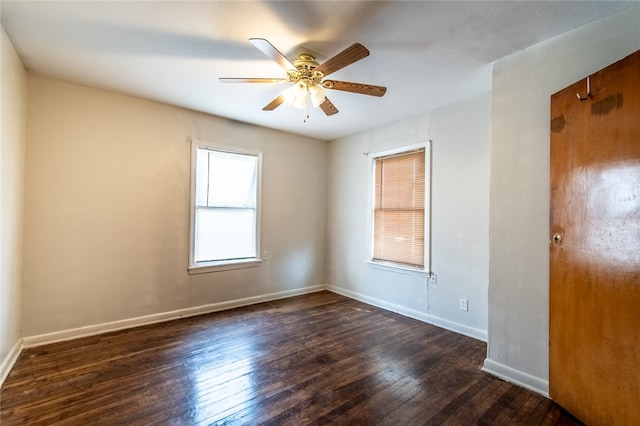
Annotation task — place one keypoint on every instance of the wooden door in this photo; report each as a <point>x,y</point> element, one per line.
<point>594,346</point>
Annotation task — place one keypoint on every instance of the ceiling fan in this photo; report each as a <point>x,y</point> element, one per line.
<point>308,78</point>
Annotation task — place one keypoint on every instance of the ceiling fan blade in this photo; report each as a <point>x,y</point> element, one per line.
<point>274,103</point>
<point>348,56</point>
<point>268,49</point>
<point>328,107</point>
<point>361,88</point>
<point>253,80</point>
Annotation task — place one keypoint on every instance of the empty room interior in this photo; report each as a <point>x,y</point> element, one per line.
<point>155,173</point>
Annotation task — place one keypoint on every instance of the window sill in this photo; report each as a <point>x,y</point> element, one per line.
<point>407,270</point>
<point>223,266</point>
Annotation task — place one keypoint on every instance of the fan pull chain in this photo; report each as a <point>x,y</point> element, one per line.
<point>305,110</point>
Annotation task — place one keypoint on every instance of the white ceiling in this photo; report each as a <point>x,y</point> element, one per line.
<point>428,54</point>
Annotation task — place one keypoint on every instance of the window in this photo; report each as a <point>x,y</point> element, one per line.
<point>400,208</point>
<point>225,215</point>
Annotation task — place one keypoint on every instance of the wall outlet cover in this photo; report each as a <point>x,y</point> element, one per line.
<point>464,305</point>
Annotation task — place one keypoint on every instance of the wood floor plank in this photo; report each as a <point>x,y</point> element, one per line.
<point>308,360</point>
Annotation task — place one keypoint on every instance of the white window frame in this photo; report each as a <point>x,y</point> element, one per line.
<point>390,266</point>
<point>221,265</point>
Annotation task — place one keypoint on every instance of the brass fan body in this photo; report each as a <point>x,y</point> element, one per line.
<point>306,72</point>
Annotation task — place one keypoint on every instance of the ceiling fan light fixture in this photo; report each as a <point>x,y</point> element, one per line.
<point>296,95</point>
<point>300,103</point>
<point>317,93</point>
<point>299,89</point>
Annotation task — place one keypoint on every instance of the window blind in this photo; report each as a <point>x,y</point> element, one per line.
<point>399,209</point>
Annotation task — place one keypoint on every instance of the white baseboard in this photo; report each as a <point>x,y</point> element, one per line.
<point>517,377</point>
<point>475,333</point>
<point>58,336</point>
<point>10,360</point>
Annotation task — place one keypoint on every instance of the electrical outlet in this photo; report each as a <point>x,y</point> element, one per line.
<point>265,256</point>
<point>433,279</point>
<point>464,305</point>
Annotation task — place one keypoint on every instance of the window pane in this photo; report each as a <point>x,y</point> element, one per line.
<point>223,234</point>
<point>232,179</point>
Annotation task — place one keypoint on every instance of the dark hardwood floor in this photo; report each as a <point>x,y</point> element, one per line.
<point>314,359</point>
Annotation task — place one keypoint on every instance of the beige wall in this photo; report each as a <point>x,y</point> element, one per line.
<point>460,137</point>
<point>107,209</point>
<point>13,92</point>
<point>519,265</point>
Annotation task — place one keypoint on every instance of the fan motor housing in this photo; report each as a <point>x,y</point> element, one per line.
<point>305,70</point>
<point>305,61</point>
